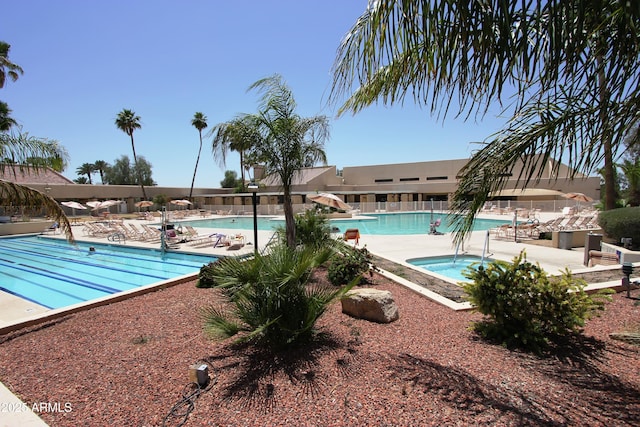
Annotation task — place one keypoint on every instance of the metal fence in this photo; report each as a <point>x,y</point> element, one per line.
<point>493,207</point>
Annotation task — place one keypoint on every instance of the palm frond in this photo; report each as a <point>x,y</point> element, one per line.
<point>218,324</point>
<point>12,194</point>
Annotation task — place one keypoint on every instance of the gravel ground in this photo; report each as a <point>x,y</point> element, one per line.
<point>126,364</point>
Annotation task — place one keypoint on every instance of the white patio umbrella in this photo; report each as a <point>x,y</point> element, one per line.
<point>74,205</point>
<point>143,204</point>
<point>331,200</point>
<point>181,202</point>
<point>96,206</point>
<point>578,197</point>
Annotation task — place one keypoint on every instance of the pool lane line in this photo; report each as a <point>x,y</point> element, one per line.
<point>81,262</point>
<point>62,277</point>
<point>40,285</point>
<point>34,246</point>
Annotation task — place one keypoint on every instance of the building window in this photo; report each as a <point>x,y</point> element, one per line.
<point>409,179</point>
<point>437,178</point>
<point>384,180</point>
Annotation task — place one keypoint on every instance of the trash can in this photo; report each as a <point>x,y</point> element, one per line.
<point>565,239</point>
<point>591,243</point>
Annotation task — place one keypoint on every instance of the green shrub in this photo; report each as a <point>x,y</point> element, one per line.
<point>526,308</point>
<point>619,223</point>
<point>206,278</point>
<point>350,265</point>
<point>272,303</point>
<point>312,229</point>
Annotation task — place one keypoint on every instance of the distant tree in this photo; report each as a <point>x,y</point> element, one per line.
<point>6,122</point>
<point>630,167</point>
<point>100,166</point>
<point>13,71</point>
<point>122,172</point>
<point>86,169</point>
<point>230,179</point>
<point>81,180</point>
<point>199,121</point>
<point>143,171</point>
<point>631,170</point>
<point>161,199</point>
<point>239,135</point>
<point>7,68</point>
<point>127,121</point>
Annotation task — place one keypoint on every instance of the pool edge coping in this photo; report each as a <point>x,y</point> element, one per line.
<point>106,300</point>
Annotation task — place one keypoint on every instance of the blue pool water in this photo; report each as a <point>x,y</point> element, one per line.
<point>445,265</point>
<point>55,274</point>
<point>377,224</point>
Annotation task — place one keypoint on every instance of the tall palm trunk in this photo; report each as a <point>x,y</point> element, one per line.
<point>242,168</point>
<point>135,161</point>
<point>607,135</point>
<point>193,180</point>
<point>290,223</point>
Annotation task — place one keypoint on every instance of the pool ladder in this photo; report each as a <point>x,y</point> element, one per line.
<point>117,238</point>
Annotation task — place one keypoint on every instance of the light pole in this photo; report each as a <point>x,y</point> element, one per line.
<point>254,190</point>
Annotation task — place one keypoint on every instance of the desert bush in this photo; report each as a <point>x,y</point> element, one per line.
<point>350,264</point>
<point>619,223</point>
<point>526,308</point>
<point>312,229</point>
<point>272,303</point>
<point>206,278</point>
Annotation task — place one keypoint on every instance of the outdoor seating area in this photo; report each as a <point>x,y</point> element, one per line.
<point>533,228</point>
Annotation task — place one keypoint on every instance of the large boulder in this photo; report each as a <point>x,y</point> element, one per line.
<point>370,304</point>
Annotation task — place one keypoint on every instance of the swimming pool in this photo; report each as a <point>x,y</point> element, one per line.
<point>55,274</point>
<point>376,224</point>
<point>448,266</point>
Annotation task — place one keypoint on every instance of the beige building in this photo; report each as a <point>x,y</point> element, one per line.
<point>391,187</point>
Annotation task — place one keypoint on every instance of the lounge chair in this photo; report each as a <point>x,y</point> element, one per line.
<point>352,234</point>
<point>53,229</point>
<point>235,242</point>
<point>153,234</point>
<point>569,224</point>
<point>192,233</point>
<point>551,225</point>
<point>215,239</point>
<point>97,229</point>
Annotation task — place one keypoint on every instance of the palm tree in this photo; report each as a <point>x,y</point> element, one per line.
<point>287,142</point>
<point>574,67</point>
<point>18,148</point>
<point>240,135</point>
<point>101,166</point>
<point>271,300</point>
<point>7,68</point>
<point>128,122</point>
<point>199,121</point>
<point>6,122</point>
<point>86,169</point>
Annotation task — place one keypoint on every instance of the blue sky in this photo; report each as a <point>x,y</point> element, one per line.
<point>84,61</point>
